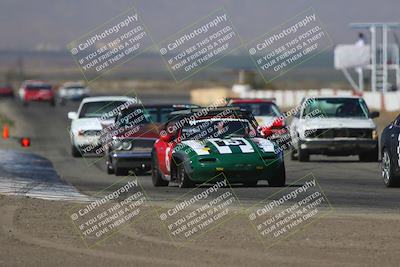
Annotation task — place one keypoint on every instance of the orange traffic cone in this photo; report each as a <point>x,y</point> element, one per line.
<point>6,132</point>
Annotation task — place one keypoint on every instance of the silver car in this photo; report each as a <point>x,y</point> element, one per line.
<point>72,91</point>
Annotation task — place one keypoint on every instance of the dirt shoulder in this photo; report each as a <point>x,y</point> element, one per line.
<point>40,233</point>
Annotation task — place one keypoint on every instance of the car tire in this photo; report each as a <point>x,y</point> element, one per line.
<point>110,169</point>
<point>52,103</point>
<point>371,156</point>
<point>387,171</point>
<point>120,171</point>
<point>75,152</point>
<point>279,179</point>
<point>293,155</point>
<point>142,171</point>
<point>156,177</point>
<point>250,183</point>
<point>303,155</point>
<point>25,103</point>
<point>182,178</point>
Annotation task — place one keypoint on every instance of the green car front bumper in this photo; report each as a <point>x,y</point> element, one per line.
<point>235,168</point>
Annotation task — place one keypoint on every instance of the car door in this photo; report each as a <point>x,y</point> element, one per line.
<point>164,151</point>
<point>394,143</point>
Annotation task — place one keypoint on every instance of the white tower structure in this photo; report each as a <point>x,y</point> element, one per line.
<point>379,58</point>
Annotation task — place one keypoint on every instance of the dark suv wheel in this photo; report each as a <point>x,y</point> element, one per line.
<point>388,176</point>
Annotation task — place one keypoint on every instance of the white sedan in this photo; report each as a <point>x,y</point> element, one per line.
<point>87,124</point>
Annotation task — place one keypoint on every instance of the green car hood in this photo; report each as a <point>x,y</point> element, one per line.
<point>215,146</point>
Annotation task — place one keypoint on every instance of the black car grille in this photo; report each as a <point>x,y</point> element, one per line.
<point>142,144</point>
<point>339,133</point>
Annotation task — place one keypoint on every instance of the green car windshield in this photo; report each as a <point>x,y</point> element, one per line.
<point>223,128</point>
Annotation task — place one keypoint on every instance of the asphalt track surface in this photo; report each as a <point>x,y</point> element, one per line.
<point>39,180</point>
<point>346,182</point>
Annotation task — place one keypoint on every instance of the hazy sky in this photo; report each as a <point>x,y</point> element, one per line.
<point>24,24</point>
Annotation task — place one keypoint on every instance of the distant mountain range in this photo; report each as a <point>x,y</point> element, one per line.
<point>60,65</point>
<point>52,24</point>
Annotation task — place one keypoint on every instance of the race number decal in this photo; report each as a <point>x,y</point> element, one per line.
<point>264,144</point>
<point>230,142</point>
<point>223,145</point>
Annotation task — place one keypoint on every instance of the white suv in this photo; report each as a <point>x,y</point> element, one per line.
<point>334,126</point>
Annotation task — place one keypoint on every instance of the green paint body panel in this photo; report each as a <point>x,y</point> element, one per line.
<point>236,166</point>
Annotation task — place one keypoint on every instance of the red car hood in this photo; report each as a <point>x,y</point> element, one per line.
<point>5,90</point>
<point>38,93</point>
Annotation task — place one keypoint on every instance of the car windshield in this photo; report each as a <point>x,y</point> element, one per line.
<point>148,114</point>
<point>105,109</point>
<point>165,113</point>
<point>260,109</point>
<point>135,116</point>
<point>159,114</point>
<point>397,121</point>
<point>5,85</point>
<point>336,107</point>
<point>152,114</point>
<point>38,87</point>
<point>74,87</point>
<point>222,128</point>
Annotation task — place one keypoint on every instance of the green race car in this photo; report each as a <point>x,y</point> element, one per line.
<point>207,145</point>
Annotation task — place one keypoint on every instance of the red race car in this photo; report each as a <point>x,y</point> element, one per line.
<point>268,116</point>
<point>36,91</point>
<point>6,90</point>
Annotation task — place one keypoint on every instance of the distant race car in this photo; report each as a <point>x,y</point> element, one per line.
<point>74,91</point>
<point>196,147</point>
<point>36,91</point>
<point>390,151</point>
<point>6,90</point>
<point>268,116</point>
<point>87,124</point>
<point>133,135</point>
<point>334,126</point>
